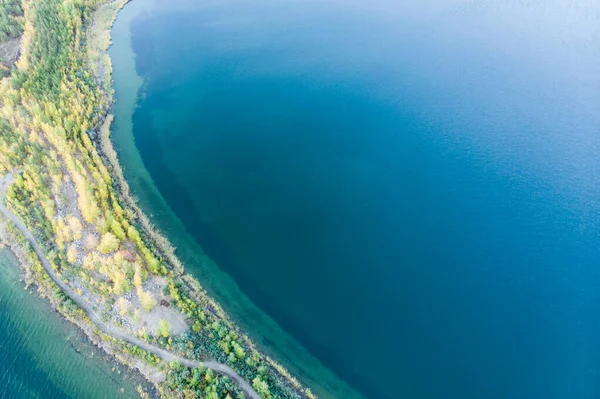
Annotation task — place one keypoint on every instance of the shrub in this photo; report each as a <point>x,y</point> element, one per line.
<point>123,306</point>
<point>164,329</point>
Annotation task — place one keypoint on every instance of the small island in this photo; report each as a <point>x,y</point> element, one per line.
<point>66,212</point>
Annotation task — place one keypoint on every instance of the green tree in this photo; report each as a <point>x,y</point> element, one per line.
<point>261,387</point>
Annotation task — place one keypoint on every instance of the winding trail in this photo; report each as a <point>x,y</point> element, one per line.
<point>108,329</point>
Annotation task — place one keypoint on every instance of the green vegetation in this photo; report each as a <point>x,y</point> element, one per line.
<point>53,108</point>
<point>164,329</point>
<point>201,380</point>
<point>11,16</point>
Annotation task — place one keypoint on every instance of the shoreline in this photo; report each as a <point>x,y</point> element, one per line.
<point>34,275</point>
<point>45,290</point>
<point>62,355</point>
<point>98,333</point>
<point>40,273</point>
<point>164,245</point>
<point>96,319</point>
<point>268,335</point>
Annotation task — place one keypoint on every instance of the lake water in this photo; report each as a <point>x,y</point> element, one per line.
<point>44,356</point>
<point>405,194</point>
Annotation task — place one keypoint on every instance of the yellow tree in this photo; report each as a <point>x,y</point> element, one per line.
<point>146,299</point>
<point>74,227</point>
<point>109,243</point>
<point>72,254</point>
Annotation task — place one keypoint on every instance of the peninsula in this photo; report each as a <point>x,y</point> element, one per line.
<point>66,212</point>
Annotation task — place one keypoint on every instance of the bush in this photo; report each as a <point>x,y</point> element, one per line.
<point>164,329</point>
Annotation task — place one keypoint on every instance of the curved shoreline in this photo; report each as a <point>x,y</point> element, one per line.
<point>89,185</point>
<point>137,189</point>
<point>163,354</point>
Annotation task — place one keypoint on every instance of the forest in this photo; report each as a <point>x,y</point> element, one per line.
<point>54,107</point>
<point>11,19</point>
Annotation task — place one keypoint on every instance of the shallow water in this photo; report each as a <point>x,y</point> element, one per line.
<point>44,356</point>
<point>411,186</point>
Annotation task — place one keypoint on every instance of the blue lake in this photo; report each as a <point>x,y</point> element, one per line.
<point>410,191</point>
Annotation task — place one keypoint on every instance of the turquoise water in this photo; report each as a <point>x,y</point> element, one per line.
<point>219,284</point>
<point>409,190</point>
<point>44,356</point>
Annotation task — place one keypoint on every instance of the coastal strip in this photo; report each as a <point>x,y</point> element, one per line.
<point>87,249</point>
<point>97,320</point>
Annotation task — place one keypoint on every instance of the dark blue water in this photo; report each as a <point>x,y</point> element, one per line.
<point>410,190</point>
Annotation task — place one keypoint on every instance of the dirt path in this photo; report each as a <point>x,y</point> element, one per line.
<point>110,330</point>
